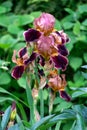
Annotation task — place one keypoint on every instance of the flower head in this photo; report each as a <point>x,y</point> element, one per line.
<point>47,42</point>
<point>20,67</point>
<point>58,84</point>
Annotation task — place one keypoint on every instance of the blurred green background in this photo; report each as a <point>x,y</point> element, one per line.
<point>17,16</point>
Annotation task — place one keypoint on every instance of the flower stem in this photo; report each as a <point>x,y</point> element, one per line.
<point>30,102</point>
<point>40,91</point>
<point>41,103</point>
<point>51,99</point>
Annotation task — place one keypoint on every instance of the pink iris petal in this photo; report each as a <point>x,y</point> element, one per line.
<point>31,35</point>
<point>22,52</point>
<point>45,46</point>
<point>62,50</point>
<point>64,95</point>
<point>45,22</point>
<point>31,58</point>
<point>60,61</point>
<point>17,72</point>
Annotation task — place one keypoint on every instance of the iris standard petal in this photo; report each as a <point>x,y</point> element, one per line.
<point>60,61</point>
<point>62,50</point>
<point>31,58</point>
<point>65,96</point>
<point>17,72</point>
<point>45,23</point>
<point>22,52</point>
<point>31,35</point>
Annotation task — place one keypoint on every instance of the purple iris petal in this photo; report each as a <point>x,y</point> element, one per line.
<point>65,96</point>
<point>22,52</point>
<point>31,35</point>
<point>46,86</point>
<point>60,62</point>
<point>17,72</point>
<point>41,72</point>
<point>1,113</point>
<point>31,58</point>
<point>62,50</point>
<point>42,60</point>
<point>13,107</point>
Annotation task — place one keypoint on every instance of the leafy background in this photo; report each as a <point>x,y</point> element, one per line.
<point>71,16</point>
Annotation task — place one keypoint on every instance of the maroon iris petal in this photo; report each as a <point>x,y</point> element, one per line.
<point>60,62</point>
<point>31,58</point>
<point>41,72</point>
<point>42,60</point>
<point>62,50</point>
<point>22,52</point>
<point>17,72</point>
<point>46,86</point>
<point>31,35</point>
<point>65,96</point>
<point>1,113</point>
<point>63,40</point>
<point>13,106</point>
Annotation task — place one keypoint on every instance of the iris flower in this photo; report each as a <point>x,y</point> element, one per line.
<point>49,47</point>
<point>20,67</point>
<point>58,84</point>
<point>47,42</point>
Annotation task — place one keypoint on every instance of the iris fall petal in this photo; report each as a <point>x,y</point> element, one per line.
<point>31,58</point>
<point>31,35</point>
<point>22,52</point>
<point>60,62</point>
<point>65,96</point>
<point>17,72</point>
<point>62,50</point>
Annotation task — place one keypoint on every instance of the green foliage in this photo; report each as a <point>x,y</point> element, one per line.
<point>15,17</point>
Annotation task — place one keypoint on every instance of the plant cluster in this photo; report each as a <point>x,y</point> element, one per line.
<point>45,66</point>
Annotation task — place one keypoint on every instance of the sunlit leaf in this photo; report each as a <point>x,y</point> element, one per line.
<point>75,62</point>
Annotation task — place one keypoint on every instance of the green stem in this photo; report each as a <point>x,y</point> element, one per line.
<point>30,102</point>
<point>41,103</point>
<point>40,92</point>
<point>51,99</point>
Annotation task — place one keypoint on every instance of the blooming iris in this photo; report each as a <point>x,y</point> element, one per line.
<point>49,47</point>
<point>48,42</point>
<point>20,67</point>
<point>58,84</point>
